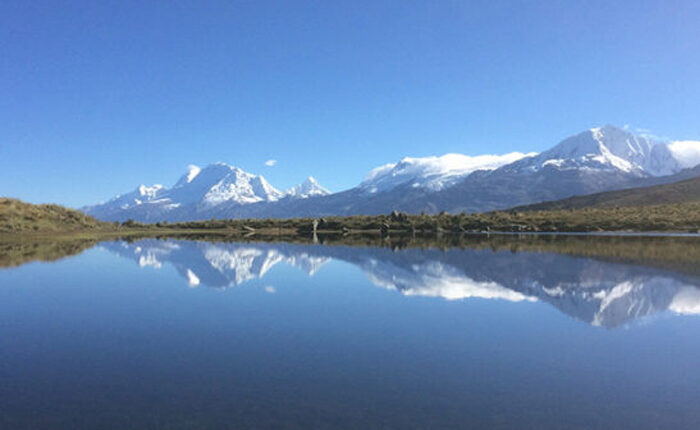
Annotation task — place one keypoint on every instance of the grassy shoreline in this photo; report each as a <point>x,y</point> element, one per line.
<point>49,232</point>
<point>19,218</point>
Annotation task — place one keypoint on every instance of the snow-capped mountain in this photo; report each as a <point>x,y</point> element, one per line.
<point>309,188</point>
<point>221,182</point>
<point>605,149</point>
<point>600,159</point>
<point>197,193</point>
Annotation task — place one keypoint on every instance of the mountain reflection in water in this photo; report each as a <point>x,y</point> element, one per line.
<point>602,292</point>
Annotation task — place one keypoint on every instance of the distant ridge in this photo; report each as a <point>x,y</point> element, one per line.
<point>687,191</point>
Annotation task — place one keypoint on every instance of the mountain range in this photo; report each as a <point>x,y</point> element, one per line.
<point>600,159</point>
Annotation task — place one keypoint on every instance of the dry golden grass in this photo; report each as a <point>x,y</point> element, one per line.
<point>18,216</point>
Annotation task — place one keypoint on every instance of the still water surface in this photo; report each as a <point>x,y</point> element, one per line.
<point>178,334</point>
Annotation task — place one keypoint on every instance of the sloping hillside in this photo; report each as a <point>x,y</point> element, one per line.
<point>20,217</point>
<point>687,191</point>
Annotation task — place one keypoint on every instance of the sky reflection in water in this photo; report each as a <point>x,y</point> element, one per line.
<point>312,336</point>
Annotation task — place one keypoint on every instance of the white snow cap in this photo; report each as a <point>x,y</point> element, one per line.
<point>686,152</point>
<point>309,188</point>
<point>192,172</point>
<point>686,301</point>
<point>434,173</point>
<point>609,148</point>
<point>149,192</point>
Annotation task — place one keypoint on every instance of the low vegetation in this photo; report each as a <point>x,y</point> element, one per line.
<point>22,218</point>
<point>18,216</point>
<point>48,232</point>
<point>687,191</point>
<point>677,217</point>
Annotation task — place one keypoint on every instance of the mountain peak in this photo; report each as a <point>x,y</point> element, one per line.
<point>232,184</point>
<point>609,128</point>
<point>606,148</point>
<point>309,188</point>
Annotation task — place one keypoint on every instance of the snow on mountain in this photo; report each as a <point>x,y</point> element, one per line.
<point>686,152</point>
<point>197,190</point>
<point>608,148</point>
<point>600,159</point>
<point>433,173</point>
<point>192,172</point>
<point>309,188</point>
<point>151,192</point>
<point>238,186</point>
<point>221,182</point>
<point>142,194</point>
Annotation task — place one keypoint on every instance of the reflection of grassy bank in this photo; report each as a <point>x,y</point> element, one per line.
<point>17,253</point>
<point>17,249</point>
<point>680,254</point>
<point>47,232</point>
<point>675,253</point>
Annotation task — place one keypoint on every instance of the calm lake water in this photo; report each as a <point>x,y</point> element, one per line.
<point>500,333</point>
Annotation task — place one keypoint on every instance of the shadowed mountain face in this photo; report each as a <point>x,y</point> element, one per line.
<point>599,292</point>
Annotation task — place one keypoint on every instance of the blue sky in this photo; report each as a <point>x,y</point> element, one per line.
<point>98,97</point>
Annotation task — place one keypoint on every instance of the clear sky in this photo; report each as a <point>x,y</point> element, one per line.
<point>97,97</point>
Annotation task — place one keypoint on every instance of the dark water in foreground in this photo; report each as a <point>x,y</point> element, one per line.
<point>203,335</point>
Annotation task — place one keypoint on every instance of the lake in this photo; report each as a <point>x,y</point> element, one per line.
<point>479,332</point>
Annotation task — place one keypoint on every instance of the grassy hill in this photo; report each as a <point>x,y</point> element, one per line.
<point>687,191</point>
<point>20,217</point>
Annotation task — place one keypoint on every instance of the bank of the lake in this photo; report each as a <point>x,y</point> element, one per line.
<point>19,218</point>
